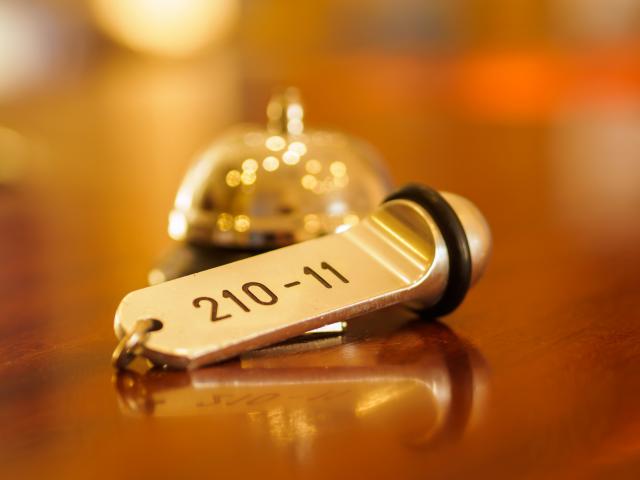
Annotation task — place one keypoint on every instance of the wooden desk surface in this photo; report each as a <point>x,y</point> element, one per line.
<point>535,376</point>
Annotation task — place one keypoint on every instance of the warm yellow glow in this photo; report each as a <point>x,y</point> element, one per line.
<point>325,186</point>
<point>309,182</point>
<point>338,169</point>
<point>270,163</point>
<point>248,177</point>
<point>233,178</point>
<point>311,223</point>
<point>295,126</point>
<point>224,222</point>
<point>250,165</point>
<point>275,143</point>
<point>341,182</point>
<point>156,276</point>
<point>290,426</point>
<point>24,53</point>
<point>351,219</point>
<point>313,166</point>
<point>242,223</point>
<point>176,28</point>
<point>177,226</point>
<point>290,158</point>
<point>295,110</point>
<point>14,153</point>
<point>253,139</point>
<point>379,397</point>
<point>298,147</point>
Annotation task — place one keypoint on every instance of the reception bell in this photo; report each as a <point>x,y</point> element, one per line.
<point>257,188</point>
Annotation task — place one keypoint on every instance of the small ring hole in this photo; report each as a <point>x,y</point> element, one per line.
<point>155,325</point>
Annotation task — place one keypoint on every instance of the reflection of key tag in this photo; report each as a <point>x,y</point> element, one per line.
<point>421,382</point>
<point>418,246</point>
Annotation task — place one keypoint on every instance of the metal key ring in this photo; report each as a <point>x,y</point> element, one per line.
<point>130,345</point>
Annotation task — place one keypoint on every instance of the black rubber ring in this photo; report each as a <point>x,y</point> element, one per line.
<point>455,240</point>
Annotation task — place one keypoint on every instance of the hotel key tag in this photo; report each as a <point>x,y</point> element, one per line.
<point>419,246</point>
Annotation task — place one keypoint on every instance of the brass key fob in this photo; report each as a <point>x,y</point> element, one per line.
<point>419,246</point>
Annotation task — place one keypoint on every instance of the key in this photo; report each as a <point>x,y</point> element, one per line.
<point>419,247</point>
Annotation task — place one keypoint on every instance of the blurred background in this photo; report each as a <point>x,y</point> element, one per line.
<point>104,102</point>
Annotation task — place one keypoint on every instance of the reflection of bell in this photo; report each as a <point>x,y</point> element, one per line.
<point>256,189</point>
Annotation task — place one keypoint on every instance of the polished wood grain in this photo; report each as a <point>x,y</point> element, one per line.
<point>535,376</point>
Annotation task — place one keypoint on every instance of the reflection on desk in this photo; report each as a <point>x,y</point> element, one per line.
<point>420,384</point>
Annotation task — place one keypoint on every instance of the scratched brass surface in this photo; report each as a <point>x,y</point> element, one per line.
<point>532,114</point>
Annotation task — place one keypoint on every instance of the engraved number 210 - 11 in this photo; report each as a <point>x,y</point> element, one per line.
<point>261,294</point>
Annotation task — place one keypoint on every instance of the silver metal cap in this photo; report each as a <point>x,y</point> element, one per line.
<point>477,231</point>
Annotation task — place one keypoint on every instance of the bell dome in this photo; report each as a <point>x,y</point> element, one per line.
<point>257,187</point>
